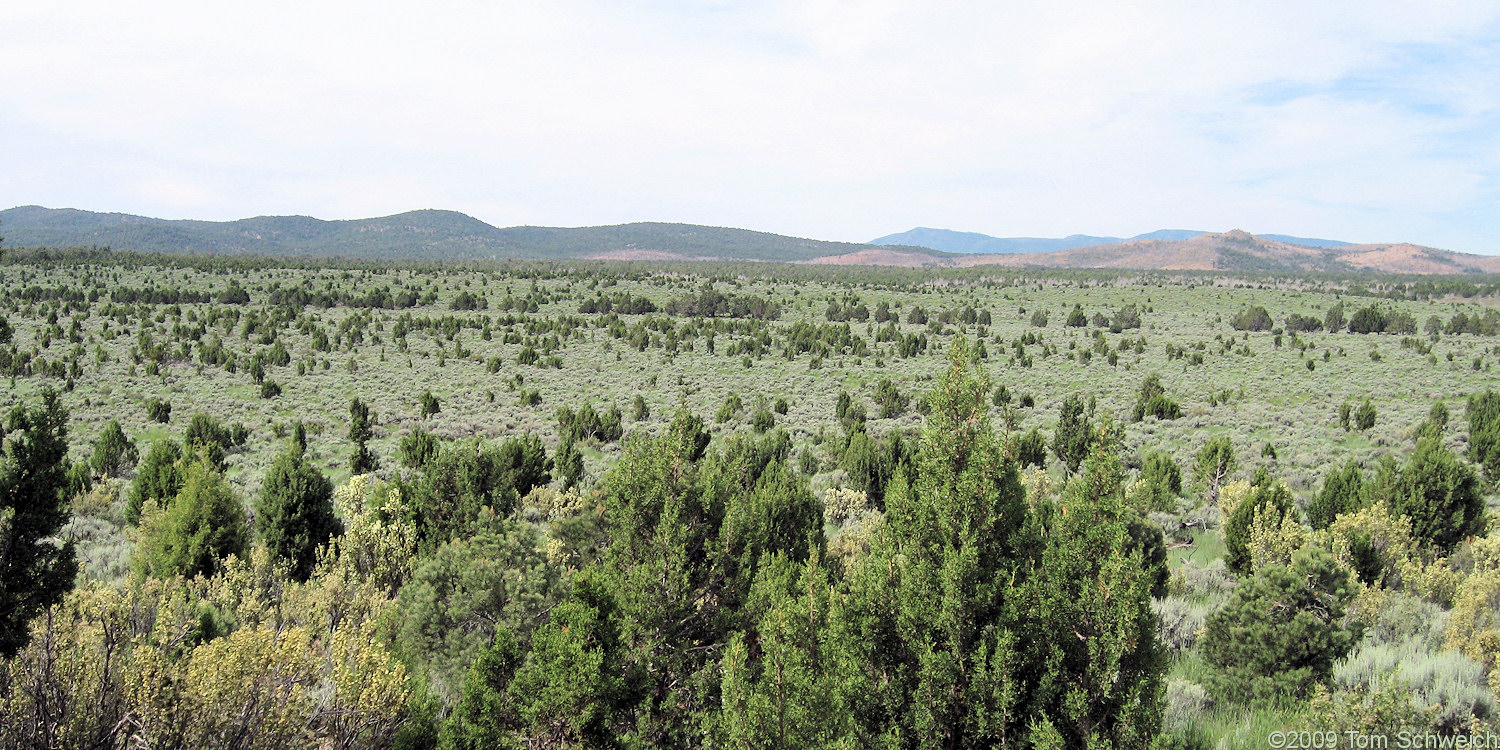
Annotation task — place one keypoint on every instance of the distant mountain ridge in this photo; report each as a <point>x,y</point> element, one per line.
<point>1234,251</point>
<point>949,241</point>
<point>434,234</point>
<point>425,234</point>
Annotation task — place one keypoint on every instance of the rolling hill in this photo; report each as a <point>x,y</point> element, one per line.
<point>415,234</point>
<point>1233,251</point>
<point>950,241</point>
<point>449,235</point>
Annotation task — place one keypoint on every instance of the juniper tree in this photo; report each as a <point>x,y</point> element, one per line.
<point>159,478</point>
<point>1070,439</point>
<point>205,435</point>
<point>197,529</point>
<point>429,404</point>
<point>568,461</point>
<point>1343,491</point>
<point>114,453</point>
<point>362,461</point>
<point>1483,410</point>
<point>1214,464</point>
<point>1364,416</point>
<point>1092,657</point>
<point>1440,495</point>
<point>1269,503</point>
<point>927,606</point>
<point>35,571</point>
<point>970,622</point>
<point>295,511</point>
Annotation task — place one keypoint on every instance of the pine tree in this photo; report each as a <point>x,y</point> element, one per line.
<point>295,511</point>
<point>1281,632</point>
<point>34,572</point>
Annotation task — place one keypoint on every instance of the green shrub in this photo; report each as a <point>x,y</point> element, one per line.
<point>466,592</point>
<point>1266,505</point>
<point>568,461</point>
<point>762,420</point>
<point>1213,466</point>
<point>295,512</point>
<point>588,424</point>
<point>159,410</point>
<point>1074,430</point>
<point>114,453</point>
<point>732,406</point>
<point>417,448</point>
<point>1159,484</point>
<point>35,571</point>
<point>892,401</point>
<point>205,436</point>
<point>192,535</point>
<point>1367,319</point>
<point>1484,432</point>
<point>1253,318</point>
<point>1077,318</point>
<point>1440,494</point>
<point>1281,632</point>
<point>807,462</point>
<point>1343,491</point>
<point>158,479</point>
<point>1031,449</point>
<point>428,404</point>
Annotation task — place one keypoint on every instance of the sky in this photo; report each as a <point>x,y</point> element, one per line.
<point>1363,121</point>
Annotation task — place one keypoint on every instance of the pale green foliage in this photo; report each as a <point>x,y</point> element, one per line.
<point>379,543</point>
<point>842,503</point>
<point>1448,683</point>
<point>1274,537</point>
<point>468,588</point>
<point>1375,544</point>
<point>204,524</point>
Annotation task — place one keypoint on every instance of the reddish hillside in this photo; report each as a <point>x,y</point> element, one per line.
<point>1229,251</point>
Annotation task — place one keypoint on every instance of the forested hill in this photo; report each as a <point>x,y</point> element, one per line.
<point>415,234</point>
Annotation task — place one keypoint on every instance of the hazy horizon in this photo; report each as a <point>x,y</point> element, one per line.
<point>838,121</point>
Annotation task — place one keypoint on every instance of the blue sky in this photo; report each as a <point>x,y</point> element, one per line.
<point>1363,121</point>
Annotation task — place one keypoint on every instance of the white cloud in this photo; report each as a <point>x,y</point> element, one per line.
<point>828,118</point>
